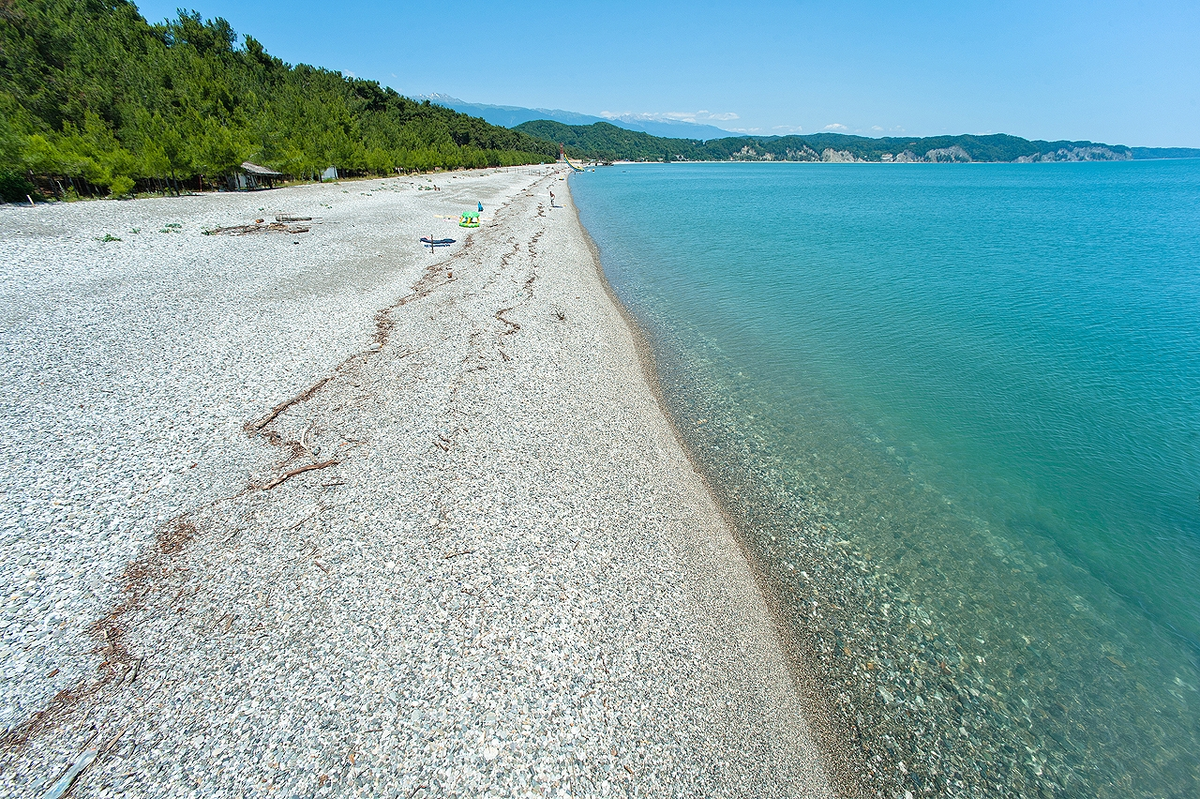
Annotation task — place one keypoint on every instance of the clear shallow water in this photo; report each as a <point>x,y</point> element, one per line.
<point>955,411</point>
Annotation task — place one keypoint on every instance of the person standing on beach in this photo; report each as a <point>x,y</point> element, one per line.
<point>552,198</point>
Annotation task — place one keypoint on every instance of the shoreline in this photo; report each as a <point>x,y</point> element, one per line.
<point>828,728</point>
<point>948,634</point>
<point>476,556</point>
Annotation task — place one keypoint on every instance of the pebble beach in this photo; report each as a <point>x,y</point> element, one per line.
<point>312,510</point>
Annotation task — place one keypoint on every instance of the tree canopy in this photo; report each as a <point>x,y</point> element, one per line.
<point>91,93</point>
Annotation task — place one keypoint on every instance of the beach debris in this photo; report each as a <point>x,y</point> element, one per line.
<point>258,227</point>
<point>287,219</point>
<point>301,470</point>
<point>303,442</point>
<point>254,428</point>
<point>132,674</point>
<point>64,783</point>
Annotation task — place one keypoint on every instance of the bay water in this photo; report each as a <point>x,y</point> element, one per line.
<point>954,411</point>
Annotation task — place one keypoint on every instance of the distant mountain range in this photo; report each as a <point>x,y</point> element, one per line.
<point>630,138</point>
<point>511,115</point>
<point>606,142</point>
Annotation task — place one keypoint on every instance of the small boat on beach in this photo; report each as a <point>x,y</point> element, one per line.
<point>431,242</point>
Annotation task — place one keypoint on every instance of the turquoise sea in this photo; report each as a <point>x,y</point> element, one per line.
<point>955,413</point>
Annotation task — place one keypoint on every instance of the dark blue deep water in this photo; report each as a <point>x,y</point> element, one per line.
<point>955,410</point>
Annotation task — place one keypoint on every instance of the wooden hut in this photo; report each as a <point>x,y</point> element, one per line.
<point>252,176</point>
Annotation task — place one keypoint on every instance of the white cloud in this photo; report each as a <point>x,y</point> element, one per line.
<point>347,73</point>
<point>701,116</point>
<point>788,128</point>
<point>876,128</point>
<point>835,126</point>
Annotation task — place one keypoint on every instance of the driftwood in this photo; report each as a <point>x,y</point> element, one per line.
<point>254,427</point>
<point>243,230</point>
<point>310,467</point>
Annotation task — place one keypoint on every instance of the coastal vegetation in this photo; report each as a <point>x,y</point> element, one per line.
<point>1159,153</point>
<point>602,141</point>
<point>96,100</point>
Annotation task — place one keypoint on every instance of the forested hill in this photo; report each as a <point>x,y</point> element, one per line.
<point>607,142</point>
<point>93,96</point>
<point>1159,153</point>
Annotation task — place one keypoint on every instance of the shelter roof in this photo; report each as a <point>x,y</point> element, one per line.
<point>255,169</point>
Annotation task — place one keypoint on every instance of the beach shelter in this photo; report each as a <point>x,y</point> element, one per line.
<point>252,176</point>
<point>469,219</point>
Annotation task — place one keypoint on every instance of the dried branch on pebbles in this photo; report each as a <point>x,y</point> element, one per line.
<point>257,227</point>
<point>288,475</point>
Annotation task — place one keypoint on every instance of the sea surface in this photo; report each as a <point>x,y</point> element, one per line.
<point>955,413</point>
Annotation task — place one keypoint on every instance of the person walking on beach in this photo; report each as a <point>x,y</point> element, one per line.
<point>552,198</point>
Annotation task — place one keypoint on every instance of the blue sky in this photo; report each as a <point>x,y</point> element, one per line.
<point>1121,72</point>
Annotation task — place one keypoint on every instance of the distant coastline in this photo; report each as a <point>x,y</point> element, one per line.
<point>604,142</point>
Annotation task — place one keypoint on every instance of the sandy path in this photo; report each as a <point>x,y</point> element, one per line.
<point>505,577</point>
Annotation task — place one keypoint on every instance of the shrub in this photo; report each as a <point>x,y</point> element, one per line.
<point>14,188</point>
<point>122,186</point>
